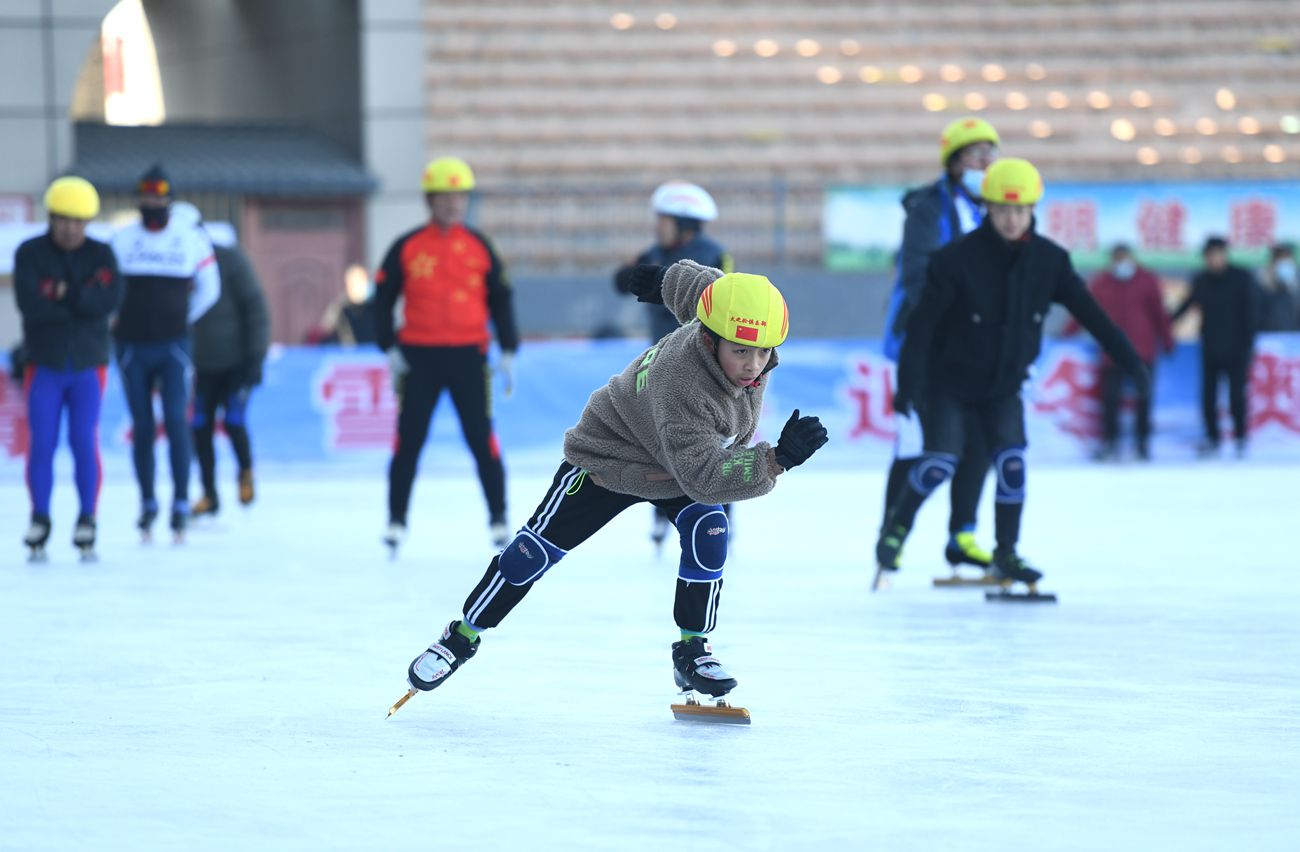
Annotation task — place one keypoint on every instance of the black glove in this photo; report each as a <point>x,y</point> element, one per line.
<point>801,437</point>
<point>623,278</point>
<point>647,279</point>
<point>252,374</point>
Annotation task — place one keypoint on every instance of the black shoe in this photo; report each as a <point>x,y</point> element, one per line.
<point>1007,565</point>
<point>433,667</point>
<point>1144,452</point>
<point>695,667</point>
<point>180,517</point>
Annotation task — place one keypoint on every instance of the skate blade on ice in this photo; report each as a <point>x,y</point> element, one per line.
<point>958,581</point>
<point>883,578</point>
<point>36,555</point>
<point>1030,595</point>
<point>397,705</point>
<point>710,709</point>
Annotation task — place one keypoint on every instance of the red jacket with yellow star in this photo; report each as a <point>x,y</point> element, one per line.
<point>451,283</point>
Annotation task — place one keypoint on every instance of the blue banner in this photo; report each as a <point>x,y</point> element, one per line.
<point>336,407</point>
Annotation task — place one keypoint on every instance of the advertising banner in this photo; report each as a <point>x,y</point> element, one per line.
<point>1165,223</point>
<point>335,407</point>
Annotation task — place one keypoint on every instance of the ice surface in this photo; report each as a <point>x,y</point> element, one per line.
<point>230,693</point>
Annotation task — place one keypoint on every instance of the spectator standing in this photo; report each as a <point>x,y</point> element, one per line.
<point>1280,302</point>
<point>1129,293</point>
<point>1227,297</point>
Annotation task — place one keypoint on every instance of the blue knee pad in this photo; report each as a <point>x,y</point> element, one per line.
<point>703,529</point>
<point>931,471</point>
<point>1009,465</point>
<point>527,558</point>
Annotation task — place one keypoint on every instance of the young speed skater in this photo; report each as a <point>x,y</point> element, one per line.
<point>970,341</point>
<point>673,429</point>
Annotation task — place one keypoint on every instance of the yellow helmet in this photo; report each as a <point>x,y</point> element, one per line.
<point>73,197</point>
<point>447,174</point>
<point>746,309</point>
<point>1012,181</point>
<point>963,132</point>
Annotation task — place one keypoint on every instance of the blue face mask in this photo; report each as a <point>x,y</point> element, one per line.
<point>1124,270</point>
<point>973,181</point>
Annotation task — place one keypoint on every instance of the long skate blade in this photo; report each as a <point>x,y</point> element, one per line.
<point>881,580</point>
<point>1004,596</point>
<point>397,705</point>
<point>959,582</point>
<point>708,713</point>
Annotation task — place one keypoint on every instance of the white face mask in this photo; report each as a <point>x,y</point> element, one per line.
<point>973,181</point>
<point>1285,271</point>
<point>1124,270</point>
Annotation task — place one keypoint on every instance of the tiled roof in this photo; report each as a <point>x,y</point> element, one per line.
<point>275,160</point>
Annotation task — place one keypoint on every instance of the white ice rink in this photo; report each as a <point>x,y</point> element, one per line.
<point>230,693</point>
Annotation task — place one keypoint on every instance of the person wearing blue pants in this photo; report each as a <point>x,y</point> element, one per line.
<point>67,286</point>
<point>171,280</point>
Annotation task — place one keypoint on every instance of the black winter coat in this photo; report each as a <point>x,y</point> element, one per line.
<point>67,330</point>
<point>979,324</point>
<point>236,331</point>
<point>1229,303</point>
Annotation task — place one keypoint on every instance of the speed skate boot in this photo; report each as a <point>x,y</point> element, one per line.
<point>179,520</point>
<point>1009,568</point>
<point>696,669</point>
<point>433,667</point>
<point>148,514</point>
<point>889,548</point>
<point>246,490</point>
<point>83,538</point>
<point>205,506</point>
<point>38,532</point>
<point>963,549</point>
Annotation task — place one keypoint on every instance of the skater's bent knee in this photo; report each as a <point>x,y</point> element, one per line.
<point>1009,465</point>
<point>931,471</point>
<point>527,558</point>
<point>703,530</point>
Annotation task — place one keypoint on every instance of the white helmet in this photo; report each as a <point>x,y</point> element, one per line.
<point>680,198</point>
<point>185,214</point>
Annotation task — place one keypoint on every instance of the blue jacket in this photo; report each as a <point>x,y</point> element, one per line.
<point>931,222</point>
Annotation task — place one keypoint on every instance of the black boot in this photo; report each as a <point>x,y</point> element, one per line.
<point>1007,565</point>
<point>434,666</point>
<point>695,667</point>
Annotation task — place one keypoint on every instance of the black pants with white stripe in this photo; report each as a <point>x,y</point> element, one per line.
<point>573,509</point>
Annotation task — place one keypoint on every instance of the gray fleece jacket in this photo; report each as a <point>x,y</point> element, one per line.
<point>671,423</point>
